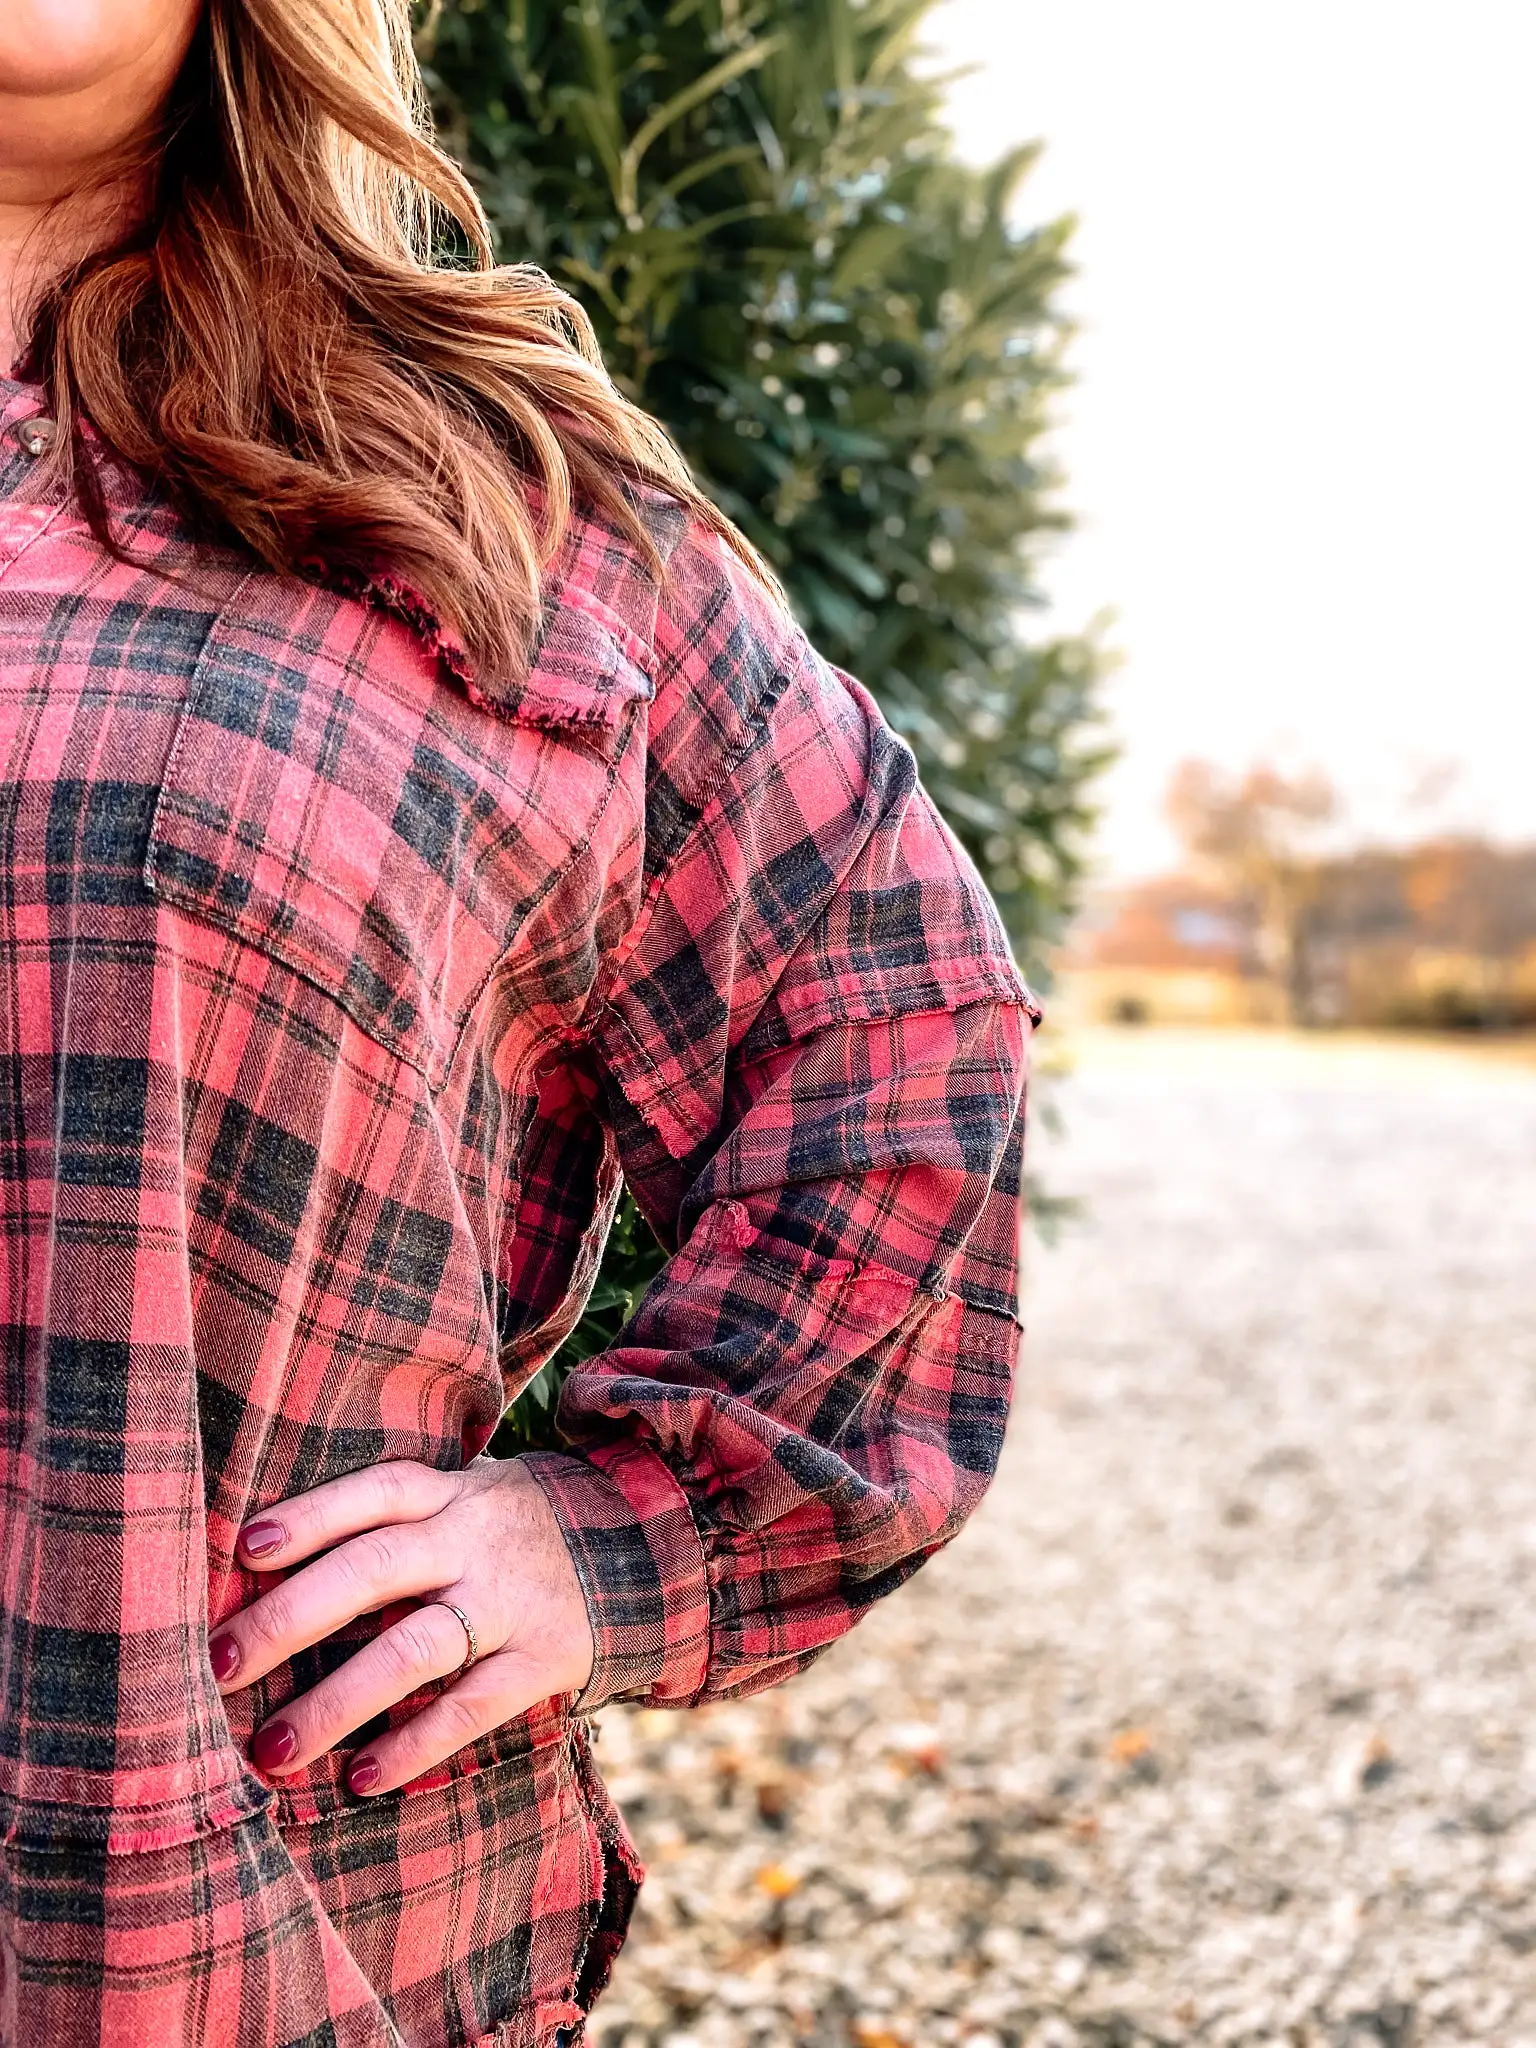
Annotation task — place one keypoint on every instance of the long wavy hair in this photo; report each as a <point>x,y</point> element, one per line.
<point>279,342</point>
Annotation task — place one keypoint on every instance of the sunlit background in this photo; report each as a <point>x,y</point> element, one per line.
<point>1303,441</point>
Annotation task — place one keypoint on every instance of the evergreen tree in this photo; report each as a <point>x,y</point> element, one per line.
<point>758,204</point>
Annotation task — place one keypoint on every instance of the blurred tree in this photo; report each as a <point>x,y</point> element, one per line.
<point>758,204</point>
<point>1442,934</point>
<point>1259,835</point>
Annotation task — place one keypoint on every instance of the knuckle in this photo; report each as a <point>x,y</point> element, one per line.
<point>301,1517</point>
<point>319,1719</point>
<point>407,1489</point>
<point>460,1720</point>
<point>392,1484</point>
<point>368,1560</point>
<point>410,1647</point>
<point>269,1624</point>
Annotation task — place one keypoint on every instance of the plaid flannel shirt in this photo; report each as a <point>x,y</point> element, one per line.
<point>338,986</point>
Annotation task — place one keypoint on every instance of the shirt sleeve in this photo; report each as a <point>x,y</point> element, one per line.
<point>812,1048</point>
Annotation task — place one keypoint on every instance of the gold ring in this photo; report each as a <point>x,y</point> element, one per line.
<point>469,1630</point>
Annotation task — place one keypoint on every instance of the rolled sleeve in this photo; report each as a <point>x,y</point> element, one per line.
<point>812,1053</point>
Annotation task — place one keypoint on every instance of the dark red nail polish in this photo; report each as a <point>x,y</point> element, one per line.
<point>364,1774</point>
<point>224,1656</point>
<point>274,1744</point>
<point>261,1538</point>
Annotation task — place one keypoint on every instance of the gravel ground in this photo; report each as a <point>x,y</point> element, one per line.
<point>1218,1724</point>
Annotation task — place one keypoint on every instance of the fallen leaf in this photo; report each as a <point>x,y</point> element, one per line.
<point>929,1760</point>
<point>772,1802</point>
<point>1033,1815</point>
<point>1377,1762</point>
<point>1361,1765</point>
<point>915,1746</point>
<point>874,2034</point>
<point>1128,1745</point>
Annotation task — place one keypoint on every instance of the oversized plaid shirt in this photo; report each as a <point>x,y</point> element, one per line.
<point>338,986</point>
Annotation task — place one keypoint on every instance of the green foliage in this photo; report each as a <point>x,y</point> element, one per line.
<point>631,1259</point>
<point>757,203</point>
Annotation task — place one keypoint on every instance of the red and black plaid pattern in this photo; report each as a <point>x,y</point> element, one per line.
<point>338,987</point>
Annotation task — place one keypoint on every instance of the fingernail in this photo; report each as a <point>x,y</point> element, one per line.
<point>274,1744</point>
<point>364,1774</point>
<point>261,1538</point>
<point>224,1656</point>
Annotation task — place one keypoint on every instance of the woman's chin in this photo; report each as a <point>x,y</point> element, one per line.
<point>58,49</point>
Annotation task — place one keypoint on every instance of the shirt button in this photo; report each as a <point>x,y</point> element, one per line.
<point>38,435</point>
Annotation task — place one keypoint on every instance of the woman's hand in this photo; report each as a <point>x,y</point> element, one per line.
<point>485,1539</point>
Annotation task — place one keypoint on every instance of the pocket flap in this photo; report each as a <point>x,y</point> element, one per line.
<point>336,806</point>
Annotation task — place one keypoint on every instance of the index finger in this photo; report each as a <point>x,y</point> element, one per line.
<point>398,1491</point>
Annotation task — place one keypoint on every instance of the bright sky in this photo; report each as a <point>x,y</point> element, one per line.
<point>1303,445</point>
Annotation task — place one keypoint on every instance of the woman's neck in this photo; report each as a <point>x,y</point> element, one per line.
<point>74,111</point>
<point>20,221</point>
<point>15,227</point>
<point>41,235</point>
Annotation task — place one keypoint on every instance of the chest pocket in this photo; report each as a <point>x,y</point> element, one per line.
<point>336,801</point>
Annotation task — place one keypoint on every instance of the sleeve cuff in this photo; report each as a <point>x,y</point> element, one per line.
<point>638,1556</point>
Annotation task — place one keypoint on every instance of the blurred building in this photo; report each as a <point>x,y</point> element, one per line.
<point>1436,937</point>
<point>1169,951</point>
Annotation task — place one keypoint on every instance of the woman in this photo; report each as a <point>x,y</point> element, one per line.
<point>418,808</point>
